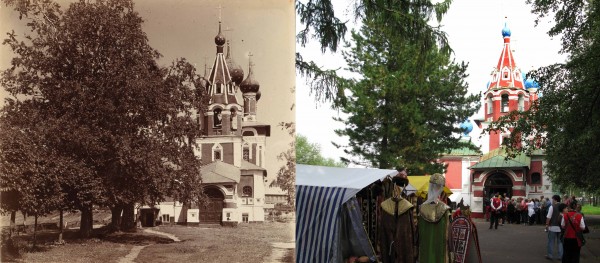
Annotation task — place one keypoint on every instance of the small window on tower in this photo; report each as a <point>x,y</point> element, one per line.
<point>505,74</point>
<point>490,105</point>
<point>521,102</point>
<point>246,154</point>
<point>247,191</point>
<point>219,87</point>
<point>218,118</point>
<point>504,106</point>
<point>217,155</point>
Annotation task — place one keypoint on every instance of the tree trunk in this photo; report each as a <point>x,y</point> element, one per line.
<point>13,224</point>
<point>116,219</point>
<point>128,218</point>
<point>60,227</point>
<point>35,224</point>
<point>87,218</point>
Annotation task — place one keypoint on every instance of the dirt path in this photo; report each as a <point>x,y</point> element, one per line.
<point>174,238</point>
<point>278,252</point>
<point>135,251</point>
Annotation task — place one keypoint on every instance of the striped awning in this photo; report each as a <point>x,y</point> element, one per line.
<point>320,194</point>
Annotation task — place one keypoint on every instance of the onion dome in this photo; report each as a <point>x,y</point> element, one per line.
<point>236,72</point>
<point>249,84</point>
<point>466,126</point>
<point>220,38</point>
<point>529,83</point>
<point>505,31</point>
<point>258,94</point>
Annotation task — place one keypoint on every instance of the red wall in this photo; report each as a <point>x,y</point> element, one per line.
<point>453,174</point>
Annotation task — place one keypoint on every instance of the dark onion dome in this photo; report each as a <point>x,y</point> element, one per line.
<point>236,72</point>
<point>505,31</point>
<point>258,94</point>
<point>220,38</point>
<point>249,84</point>
<point>466,126</point>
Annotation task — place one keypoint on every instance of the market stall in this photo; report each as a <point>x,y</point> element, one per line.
<point>329,226</point>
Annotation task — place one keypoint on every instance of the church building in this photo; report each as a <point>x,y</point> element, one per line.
<point>475,176</point>
<point>232,150</point>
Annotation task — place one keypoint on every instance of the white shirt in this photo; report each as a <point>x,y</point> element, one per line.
<point>549,216</point>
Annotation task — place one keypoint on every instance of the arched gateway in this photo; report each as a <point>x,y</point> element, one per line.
<point>212,211</point>
<point>498,183</point>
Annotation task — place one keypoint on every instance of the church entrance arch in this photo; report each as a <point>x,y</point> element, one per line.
<point>498,183</point>
<point>212,211</point>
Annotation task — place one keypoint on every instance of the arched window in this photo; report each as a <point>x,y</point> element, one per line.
<point>218,118</point>
<point>504,105</point>
<point>233,119</point>
<point>521,102</point>
<point>217,153</point>
<point>219,85</point>
<point>247,191</point>
<point>505,73</point>
<point>490,105</point>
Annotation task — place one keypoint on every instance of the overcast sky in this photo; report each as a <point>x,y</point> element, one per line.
<point>186,28</point>
<point>474,31</point>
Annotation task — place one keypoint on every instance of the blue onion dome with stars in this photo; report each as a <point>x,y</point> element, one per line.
<point>467,127</point>
<point>505,31</point>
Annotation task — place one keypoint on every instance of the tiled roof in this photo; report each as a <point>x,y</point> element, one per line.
<point>464,151</point>
<point>220,172</point>
<point>497,159</point>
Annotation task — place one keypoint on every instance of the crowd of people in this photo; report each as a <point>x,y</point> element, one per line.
<point>562,217</point>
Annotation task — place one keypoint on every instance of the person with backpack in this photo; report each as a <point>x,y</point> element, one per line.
<point>573,224</point>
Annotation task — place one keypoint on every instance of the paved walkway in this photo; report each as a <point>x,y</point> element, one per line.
<point>522,243</point>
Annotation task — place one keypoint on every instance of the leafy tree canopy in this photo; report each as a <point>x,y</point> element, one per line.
<point>404,107</point>
<point>310,153</point>
<point>103,123</point>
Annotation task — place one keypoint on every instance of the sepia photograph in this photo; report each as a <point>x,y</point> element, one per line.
<point>147,131</point>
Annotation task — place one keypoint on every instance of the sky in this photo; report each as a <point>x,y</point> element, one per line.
<point>186,28</point>
<point>474,31</point>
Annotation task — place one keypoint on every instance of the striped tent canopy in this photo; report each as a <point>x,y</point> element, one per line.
<point>320,194</point>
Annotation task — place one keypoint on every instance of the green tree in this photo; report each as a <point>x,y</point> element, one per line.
<point>408,19</point>
<point>310,153</point>
<point>404,108</point>
<point>565,121</point>
<point>120,127</point>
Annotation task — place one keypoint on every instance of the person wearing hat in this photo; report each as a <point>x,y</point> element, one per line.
<point>434,222</point>
<point>396,240</point>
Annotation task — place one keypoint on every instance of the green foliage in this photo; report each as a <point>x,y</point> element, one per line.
<point>565,121</point>
<point>404,109</point>
<point>286,176</point>
<point>310,153</point>
<point>401,18</point>
<point>93,119</point>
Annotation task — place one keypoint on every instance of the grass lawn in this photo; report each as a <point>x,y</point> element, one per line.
<point>590,210</point>
<point>245,243</point>
<point>101,248</point>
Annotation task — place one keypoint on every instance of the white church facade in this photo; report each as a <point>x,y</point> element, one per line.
<point>232,148</point>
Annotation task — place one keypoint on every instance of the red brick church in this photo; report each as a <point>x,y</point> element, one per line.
<point>475,176</point>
